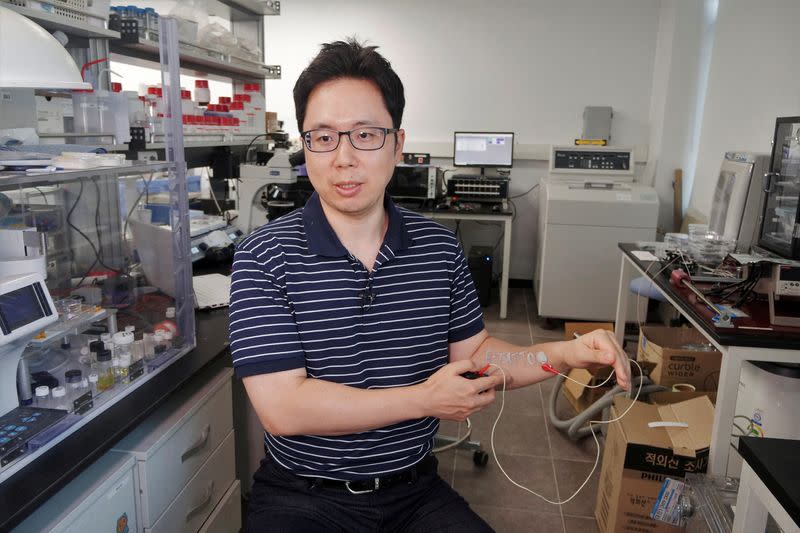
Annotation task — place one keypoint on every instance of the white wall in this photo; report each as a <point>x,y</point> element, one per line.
<point>753,79</point>
<point>526,66</point>
<point>679,85</point>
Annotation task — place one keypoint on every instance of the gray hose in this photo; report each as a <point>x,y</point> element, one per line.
<point>578,427</point>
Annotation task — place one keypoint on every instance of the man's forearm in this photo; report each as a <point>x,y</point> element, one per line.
<point>318,407</point>
<point>519,363</point>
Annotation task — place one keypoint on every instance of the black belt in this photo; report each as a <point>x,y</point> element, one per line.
<point>365,486</point>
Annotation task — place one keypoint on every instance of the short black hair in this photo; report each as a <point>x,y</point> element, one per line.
<point>350,59</point>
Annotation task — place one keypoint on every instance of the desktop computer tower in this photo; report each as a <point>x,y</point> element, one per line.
<point>480,262</point>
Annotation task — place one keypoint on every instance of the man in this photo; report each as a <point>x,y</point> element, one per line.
<point>352,322</point>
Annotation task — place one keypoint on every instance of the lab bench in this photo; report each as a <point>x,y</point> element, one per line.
<point>32,486</point>
<point>753,339</point>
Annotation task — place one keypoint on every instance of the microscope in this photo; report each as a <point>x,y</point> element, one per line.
<point>267,191</point>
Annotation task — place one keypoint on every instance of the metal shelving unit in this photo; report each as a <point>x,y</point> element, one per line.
<point>198,60</point>
<point>52,22</point>
<point>254,7</point>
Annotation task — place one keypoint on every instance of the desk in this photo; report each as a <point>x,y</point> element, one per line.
<point>502,217</point>
<point>770,483</point>
<point>780,345</point>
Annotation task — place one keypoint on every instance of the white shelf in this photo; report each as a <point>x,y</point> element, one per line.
<point>265,7</point>
<point>198,59</point>
<point>52,22</point>
<point>74,326</point>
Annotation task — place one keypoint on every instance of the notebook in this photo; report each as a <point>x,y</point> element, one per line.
<point>211,291</point>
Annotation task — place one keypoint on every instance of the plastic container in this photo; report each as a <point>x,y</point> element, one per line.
<point>41,397</point>
<point>86,115</point>
<point>187,106</point>
<point>238,112</point>
<point>121,125</point>
<point>59,399</point>
<point>201,93</point>
<point>258,104</point>
<point>105,371</point>
<point>92,380</point>
<point>248,110</point>
<point>152,19</point>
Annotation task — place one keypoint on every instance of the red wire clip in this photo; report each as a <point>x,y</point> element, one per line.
<point>549,368</point>
<point>483,370</point>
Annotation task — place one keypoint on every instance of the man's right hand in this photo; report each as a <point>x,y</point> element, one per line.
<point>449,396</point>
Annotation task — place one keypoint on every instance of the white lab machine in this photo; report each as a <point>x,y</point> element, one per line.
<point>587,205</point>
<point>739,198</point>
<point>264,190</point>
<point>22,252</point>
<point>766,405</point>
<point>25,309</point>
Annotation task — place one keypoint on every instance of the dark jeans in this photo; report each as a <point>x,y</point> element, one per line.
<point>283,502</point>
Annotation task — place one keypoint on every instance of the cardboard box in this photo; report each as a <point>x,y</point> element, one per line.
<point>576,394</point>
<point>271,121</point>
<point>663,348</point>
<point>670,397</point>
<point>581,328</point>
<point>638,458</point>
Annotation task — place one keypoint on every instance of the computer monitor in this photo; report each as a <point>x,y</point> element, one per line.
<point>483,149</point>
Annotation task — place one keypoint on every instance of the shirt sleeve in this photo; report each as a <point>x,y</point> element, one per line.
<point>263,331</point>
<point>466,317</point>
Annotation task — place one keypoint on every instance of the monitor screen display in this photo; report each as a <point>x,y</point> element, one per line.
<point>483,149</point>
<point>18,308</point>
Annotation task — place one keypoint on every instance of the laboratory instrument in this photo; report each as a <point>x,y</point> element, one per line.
<point>265,192</point>
<point>738,198</point>
<point>780,227</point>
<point>587,205</point>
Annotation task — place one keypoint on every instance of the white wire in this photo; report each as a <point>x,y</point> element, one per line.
<point>597,442</point>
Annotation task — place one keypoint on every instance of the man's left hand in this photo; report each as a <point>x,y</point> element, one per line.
<point>597,349</point>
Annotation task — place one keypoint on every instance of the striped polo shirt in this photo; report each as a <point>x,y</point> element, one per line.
<point>299,299</point>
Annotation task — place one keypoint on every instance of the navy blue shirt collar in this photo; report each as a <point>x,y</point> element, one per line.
<point>322,240</point>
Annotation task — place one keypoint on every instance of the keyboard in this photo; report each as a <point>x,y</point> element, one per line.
<point>211,291</point>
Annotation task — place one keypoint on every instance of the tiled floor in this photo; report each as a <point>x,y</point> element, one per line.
<point>529,449</point>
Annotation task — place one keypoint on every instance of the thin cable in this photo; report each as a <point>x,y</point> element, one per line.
<point>594,435</point>
<point>136,203</point>
<point>82,234</point>
<point>520,195</point>
<point>44,196</point>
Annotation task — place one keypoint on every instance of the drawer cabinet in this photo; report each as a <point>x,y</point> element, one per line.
<point>194,504</point>
<point>101,498</point>
<point>227,517</point>
<point>173,445</point>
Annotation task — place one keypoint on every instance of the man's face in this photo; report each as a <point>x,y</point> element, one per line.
<point>350,181</point>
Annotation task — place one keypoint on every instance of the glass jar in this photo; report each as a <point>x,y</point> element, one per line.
<point>158,343</point>
<point>105,371</point>
<point>123,345</point>
<point>149,345</point>
<point>73,378</point>
<point>167,340</point>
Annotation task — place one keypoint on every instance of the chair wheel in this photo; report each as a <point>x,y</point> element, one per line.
<point>480,458</point>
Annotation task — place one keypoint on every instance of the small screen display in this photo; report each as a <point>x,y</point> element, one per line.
<point>483,149</point>
<point>20,307</point>
<point>790,273</point>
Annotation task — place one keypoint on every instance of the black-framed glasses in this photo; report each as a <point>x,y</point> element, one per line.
<point>366,138</point>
